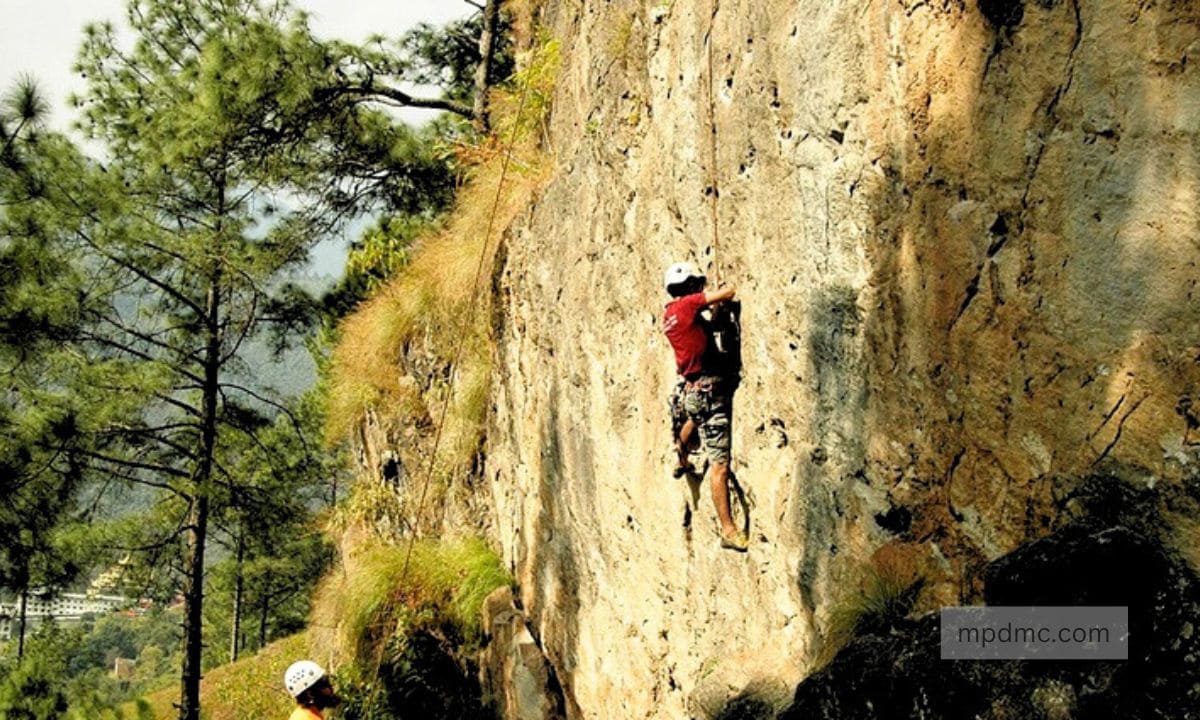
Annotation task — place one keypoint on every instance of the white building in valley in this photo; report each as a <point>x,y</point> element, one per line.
<point>62,608</point>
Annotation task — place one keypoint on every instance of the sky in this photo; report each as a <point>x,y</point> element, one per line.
<point>40,38</point>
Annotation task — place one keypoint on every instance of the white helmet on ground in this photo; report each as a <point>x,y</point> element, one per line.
<point>679,273</point>
<point>301,675</point>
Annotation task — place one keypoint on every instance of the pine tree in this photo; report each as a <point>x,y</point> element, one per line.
<point>233,141</point>
<point>210,119</point>
<point>276,554</point>
<point>40,435</point>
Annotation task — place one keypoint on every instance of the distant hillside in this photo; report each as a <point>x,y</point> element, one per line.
<point>249,688</point>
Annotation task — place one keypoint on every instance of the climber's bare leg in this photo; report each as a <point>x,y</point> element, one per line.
<point>720,496</point>
<point>682,442</point>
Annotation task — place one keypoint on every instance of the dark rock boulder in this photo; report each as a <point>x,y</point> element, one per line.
<point>1106,558</point>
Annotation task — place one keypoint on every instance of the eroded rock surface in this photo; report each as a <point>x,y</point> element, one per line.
<point>518,682</point>
<point>965,236</point>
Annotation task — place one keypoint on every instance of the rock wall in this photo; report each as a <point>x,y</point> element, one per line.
<point>965,236</point>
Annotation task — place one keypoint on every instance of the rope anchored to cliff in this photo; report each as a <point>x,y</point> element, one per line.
<point>463,331</point>
<point>714,189</point>
<point>456,357</point>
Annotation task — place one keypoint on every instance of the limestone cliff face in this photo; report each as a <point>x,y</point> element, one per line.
<point>966,238</point>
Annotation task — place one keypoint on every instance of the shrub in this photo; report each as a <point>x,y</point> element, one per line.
<point>404,637</point>
<point>883,596</point>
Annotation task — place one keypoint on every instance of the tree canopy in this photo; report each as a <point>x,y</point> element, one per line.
<point>133,286</point>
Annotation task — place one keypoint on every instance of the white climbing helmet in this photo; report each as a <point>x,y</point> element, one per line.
<point>680,272</point>
<point>301,675</point>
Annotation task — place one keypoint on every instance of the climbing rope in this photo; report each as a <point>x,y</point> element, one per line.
<point>454,362</point>
<point>713,179</point>
<point>462,334</point>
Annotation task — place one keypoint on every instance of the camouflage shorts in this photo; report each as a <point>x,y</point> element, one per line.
<point>708,403</point>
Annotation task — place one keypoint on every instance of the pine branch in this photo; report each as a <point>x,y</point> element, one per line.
<point>150,467</point>
<point>295,422</point>
<point>136,479</point>
<point>397,96</point>
<point>149,339</point>
<point>170,291</point>
<point>151,547</point>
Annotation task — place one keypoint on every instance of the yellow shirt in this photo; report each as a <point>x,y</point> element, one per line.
<point>302,713</point>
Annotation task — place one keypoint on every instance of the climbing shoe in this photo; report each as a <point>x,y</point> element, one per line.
<point>737,541</point>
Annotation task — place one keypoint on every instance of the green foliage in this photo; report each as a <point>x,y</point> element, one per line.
<point>409,632</point>
<point>247,79</point>
<point>41,423</point>
<point>66,671</point>
<point>274,547</point>
<point>279,571</point>
<point>446,57</point>
<point>36,688</point>
<point>210,115</point>
<point>34,691</point>
<point>536,79</point>
<point>111,637</point>
<point>22,111</point>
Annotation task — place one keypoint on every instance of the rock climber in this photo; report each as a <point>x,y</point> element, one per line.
<point>706,397</point>
<point>307,682</point>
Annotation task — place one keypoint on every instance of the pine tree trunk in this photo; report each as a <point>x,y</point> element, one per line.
<point>193,598</point>
<point>483,73</point>
<point>21,614</point>
<point>262,620</point>
<point>238,586</point>
<point>193,589</point>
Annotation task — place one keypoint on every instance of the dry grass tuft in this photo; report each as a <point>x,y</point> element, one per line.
<point>885,593</point>
<point>395,351</point>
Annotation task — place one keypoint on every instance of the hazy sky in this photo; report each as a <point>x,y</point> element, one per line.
<point>41,37</point>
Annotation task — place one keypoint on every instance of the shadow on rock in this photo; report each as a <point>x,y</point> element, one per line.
<point>746,706</point>
<point>1114,553</point>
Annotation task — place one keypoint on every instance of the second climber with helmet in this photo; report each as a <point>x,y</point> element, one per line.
<point>308,683</point>
<point>706,396</point>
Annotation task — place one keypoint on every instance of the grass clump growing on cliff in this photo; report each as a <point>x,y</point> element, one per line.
<point>406,640</point>
<point>394,352</point>
<point>370,601</point>
<point>882,596</point>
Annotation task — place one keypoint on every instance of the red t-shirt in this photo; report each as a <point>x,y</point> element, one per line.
<point>687,336</point>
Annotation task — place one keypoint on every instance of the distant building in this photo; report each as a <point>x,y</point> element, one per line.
<point>64,608</point>
<point>110,580</point>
